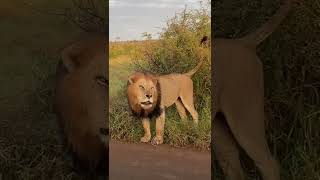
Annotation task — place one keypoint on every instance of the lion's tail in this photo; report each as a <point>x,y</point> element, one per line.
<point>265,30</point>
<point>194,70</point>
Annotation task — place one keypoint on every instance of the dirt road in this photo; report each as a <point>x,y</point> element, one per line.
<point>145,162</point>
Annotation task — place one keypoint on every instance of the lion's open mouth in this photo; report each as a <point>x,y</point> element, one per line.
<point>146,103</point>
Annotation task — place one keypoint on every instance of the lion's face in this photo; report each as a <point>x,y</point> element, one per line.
<point>142,92</point>
<point>87,81</point>
<point>145,90</point>
<point>82,92</point>
<point>95,92</point>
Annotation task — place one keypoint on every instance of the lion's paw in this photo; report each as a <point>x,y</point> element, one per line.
<point>145,139</point>
<point>157,140</point>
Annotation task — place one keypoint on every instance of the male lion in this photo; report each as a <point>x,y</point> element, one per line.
<point>81,101</point>
<point>149,95</point>
<point>239,102</point>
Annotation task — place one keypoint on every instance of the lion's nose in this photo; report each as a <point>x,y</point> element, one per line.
<point>149,95</point>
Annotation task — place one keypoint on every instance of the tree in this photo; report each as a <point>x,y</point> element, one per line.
<point>147,36</point>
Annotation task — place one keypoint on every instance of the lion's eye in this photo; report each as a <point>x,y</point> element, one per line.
<point>152,88</point>
<point>102,81</point>
<point>141,87</point>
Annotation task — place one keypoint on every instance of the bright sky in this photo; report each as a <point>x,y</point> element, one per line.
<point>128,19</point>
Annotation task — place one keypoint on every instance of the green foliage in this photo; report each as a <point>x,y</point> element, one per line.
<point>88,15</point>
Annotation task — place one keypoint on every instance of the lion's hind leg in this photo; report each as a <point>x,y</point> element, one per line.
<point>247,125</point>
<point>181,110</point>
<point>226,149</point>
<point>187,100</point>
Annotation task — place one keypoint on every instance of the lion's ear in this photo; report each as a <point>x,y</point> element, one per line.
<point>132,79</point>
<point>71,58</point>
<point>69,61</point>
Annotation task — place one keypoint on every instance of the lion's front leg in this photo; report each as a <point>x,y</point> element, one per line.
<point>158,139</point>
<point>146,127</point>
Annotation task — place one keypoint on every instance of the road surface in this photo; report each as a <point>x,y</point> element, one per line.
<point>146,162</point>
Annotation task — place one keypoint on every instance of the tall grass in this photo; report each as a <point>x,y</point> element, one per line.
<point>131,48</point>
<point>32,147</point>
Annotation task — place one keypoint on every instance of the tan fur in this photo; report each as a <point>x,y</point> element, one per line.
<point>239,102</point>
<point>173,89</point>
<point>81,99</point>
